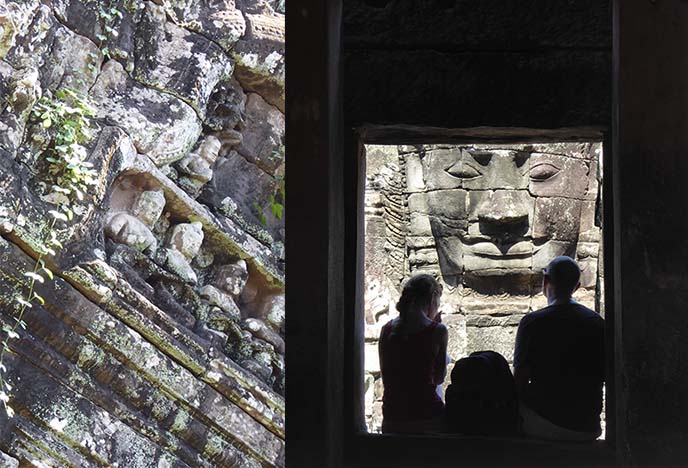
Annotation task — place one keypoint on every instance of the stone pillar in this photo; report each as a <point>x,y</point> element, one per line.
<point>651,268</point>
<point>315,314</point>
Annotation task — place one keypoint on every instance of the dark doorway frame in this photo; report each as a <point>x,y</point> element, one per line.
<point>471,450</point>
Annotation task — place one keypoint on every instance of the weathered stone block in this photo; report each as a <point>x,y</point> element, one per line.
<point>450,255</point>
<point>493,169</point>
<point>232,277</point>
<point>492,264</point>
<point>494,321</point>
<point>557,218</point>
<point>14,117</point>
<point>380,157</point>
<point>168,57</point>
<point>260,57</point>
<point>594,177</point>
<point>127,229</point>
<point>587,216</point>
<point>257,368</point>
<point>186,238</point>
<point>149,206</point>
<point>500,210</point>
<point>419,225</point>
<point>418,242</point>
<point>81,17</point>
<point>217,298</point>
<point>260,330</point>
<point>74,61</point>
<point>9,31</point>
<point>456,328</point>
<point>8,462</point>
<point>423,257</point>
<point>196,168</point>
<point>447,210</point>
<point>587,250</point>
<point>414,173</point>
<point>178,264</point>
<point>546,252</point>
<point>263,134</point>
<point>435,164</point>
<point>588,278</point>
<point>31,34</point>
<point>587,298</point>
<point>503,306</point>
<point>418,203</point>
<point>161,126</point>
<point>375,228</point>
<point>220,21</point>
<point>273,311</point>
<point>225,107</point>
<point>554,175</point>
<point>243,182</point>
<point>499,339</point>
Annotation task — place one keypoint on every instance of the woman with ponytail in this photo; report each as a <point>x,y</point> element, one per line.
<point>413,349</point>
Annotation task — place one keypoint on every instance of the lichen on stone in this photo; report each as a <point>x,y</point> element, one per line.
<point>129,361</point>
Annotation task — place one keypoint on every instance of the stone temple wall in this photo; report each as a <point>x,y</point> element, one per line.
<point>485,220</point>
<point>160,340</point>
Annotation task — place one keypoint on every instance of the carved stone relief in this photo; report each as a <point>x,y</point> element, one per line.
<point>485,220</point>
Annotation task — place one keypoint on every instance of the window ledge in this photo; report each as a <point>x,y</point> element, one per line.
<point>439,450</point>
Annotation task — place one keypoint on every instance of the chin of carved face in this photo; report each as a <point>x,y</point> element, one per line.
<point>502,213</point>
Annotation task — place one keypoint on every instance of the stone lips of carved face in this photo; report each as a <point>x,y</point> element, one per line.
<point>502,212</point>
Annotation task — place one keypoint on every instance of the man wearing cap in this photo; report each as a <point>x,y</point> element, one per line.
<point>559,361</point>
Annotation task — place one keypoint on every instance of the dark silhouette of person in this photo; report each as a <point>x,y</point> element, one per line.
<point>413,349</point>
<point>559,361</point>
<point>481,399</point>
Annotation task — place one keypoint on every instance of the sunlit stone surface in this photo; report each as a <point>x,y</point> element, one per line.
<point>161,340</point>
<point>485,220</point>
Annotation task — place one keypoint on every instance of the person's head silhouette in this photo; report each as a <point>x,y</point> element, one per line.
<point>421,294</point>
<point>561,278</point>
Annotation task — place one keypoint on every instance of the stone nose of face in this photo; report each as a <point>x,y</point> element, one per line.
<point>503,208</point>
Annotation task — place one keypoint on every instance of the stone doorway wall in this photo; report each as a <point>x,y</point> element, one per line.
<point>485,220</point>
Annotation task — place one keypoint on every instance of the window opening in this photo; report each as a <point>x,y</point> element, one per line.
<point>484,220</point>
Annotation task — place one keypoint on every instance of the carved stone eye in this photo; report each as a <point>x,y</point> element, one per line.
<point>543,171</point>
<point>463,171</point>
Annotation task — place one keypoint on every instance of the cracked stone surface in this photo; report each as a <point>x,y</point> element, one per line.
<point>161,340</point>
<point>161,126</point>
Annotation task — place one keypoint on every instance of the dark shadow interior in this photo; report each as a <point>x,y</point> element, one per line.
<point>405,72</point>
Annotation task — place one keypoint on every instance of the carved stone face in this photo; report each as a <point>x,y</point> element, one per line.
<point>498,212</point>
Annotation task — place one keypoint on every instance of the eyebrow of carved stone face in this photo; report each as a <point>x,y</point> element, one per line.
<point>482,157</point>
<point>521,157</point>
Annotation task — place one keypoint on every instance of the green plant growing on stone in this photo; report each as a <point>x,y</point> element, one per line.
<point>277,154</point>
<point>68,119</point>
<point>259,213</point>
<point>70,116</point>
<point>107,15</point>
<point>277,206</point>
<point>276,203</point>
<point>132,5</point>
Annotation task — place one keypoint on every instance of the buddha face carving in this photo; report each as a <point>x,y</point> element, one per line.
<point>496,213</point>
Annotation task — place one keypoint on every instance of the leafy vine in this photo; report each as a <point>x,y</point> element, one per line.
<point>276,203</point>
<point>107,15</point>
<point>68,119</point>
